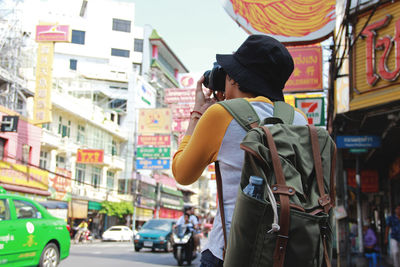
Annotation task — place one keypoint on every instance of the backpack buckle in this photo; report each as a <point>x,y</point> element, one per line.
<point>324,200</point>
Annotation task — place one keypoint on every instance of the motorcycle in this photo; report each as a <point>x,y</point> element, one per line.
<point>183,244</point>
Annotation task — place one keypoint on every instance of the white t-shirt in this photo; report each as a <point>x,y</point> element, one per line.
<point>192,219</point>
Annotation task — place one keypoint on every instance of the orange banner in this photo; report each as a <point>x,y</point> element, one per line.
<point>90,156</point>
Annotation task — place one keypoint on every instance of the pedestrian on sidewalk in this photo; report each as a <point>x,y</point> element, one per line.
<point>393,224</point>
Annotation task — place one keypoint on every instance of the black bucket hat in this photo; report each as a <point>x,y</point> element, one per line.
<point>261,65</point>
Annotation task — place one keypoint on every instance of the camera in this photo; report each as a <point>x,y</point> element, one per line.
<point>214,79</point>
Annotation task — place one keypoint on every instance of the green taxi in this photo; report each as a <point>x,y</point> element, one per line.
<point>29,235</point>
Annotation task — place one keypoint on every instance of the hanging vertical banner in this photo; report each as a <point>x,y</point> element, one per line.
<point>154,121</point>
<point>42,99</point>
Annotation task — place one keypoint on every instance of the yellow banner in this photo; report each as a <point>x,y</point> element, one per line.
<point>18,174</point>
<point>42,100</point>
<point>154,121</point>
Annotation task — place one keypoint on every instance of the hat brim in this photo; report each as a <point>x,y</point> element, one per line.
<point>248,79</point>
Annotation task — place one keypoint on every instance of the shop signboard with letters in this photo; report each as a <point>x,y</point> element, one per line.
<point>358,141</point>
<point>152,164</point>
<point>90,156</point>
<point>153,152</point>
<point>314,108</point>
<point>376,61</point>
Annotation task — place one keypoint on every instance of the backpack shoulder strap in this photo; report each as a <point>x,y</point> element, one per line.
<point>242,111</point>
<point>284,111</point>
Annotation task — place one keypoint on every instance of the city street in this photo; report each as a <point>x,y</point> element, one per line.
<point>117,254</point>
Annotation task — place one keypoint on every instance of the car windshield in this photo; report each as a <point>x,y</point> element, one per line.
<point>114,229</point>
<point>157,225</point>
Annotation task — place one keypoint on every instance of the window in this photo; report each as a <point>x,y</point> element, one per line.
<point>119,52</point>
<point>114,150</point>
<point>96,177</point>
<point>60,162</point>
<point>72,64</point>
<point>138,45</point>
<point>26,153</point>
<point>26,210</point>
<point>43,159</point>
<point>4,210</point>
<point>64,129</point>
<point>78,37</point>
<point>137,67</point>
<point>121,25</point>
<point>110,179</point>
<point>81,134</point>
<point>46,126</point>
<point>2,147</point>
<point>80,170</point>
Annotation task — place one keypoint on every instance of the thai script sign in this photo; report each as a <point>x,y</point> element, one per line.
<point>42,99</point>
<point>314,109</point>
<point>90,156</point>
<point>357,141</point>
<point>18,174</point>
<point>307,73</point>
<point>376,58</point>
<point>181,111</point>
<point>153,152</point>
<point>156,140</point>
<point>154,121</point>
<point>177,95</point>
<point>152,164</point>
<point>285,20</point>
<point>53,33</point>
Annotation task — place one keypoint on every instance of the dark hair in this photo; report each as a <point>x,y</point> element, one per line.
<point>245,90</point>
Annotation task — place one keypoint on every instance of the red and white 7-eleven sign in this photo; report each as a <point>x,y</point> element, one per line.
<point>314,109</point>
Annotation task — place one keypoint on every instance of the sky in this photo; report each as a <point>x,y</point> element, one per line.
<point>195,30</point>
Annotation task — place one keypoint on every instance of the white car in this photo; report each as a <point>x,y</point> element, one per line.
<point>118,233</point>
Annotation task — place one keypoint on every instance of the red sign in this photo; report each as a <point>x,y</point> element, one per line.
<point>52,33</point>
<point>90,156</point>
<point>369,180</point>
<point>156,140</point>
<point>168,213</point>
<point>177,95</point>
<point>181,111</point>
<point>307,73</point>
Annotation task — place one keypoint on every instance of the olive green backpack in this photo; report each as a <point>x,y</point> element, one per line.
<point>292,226</point>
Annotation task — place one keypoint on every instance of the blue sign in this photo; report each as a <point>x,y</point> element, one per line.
<point>358,141</point>
<point>152,164</point>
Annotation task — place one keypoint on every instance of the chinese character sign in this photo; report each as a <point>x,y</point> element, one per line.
<point>42,99</point>
<point>307,73</point>
<point>154,121</point>
<point>90,156</point>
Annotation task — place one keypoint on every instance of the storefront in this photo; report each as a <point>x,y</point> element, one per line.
<point>367,129</point>
<point>95,219</point>
<point>171,203</point>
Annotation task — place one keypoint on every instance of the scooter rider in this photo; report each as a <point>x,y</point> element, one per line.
<point>193,219</point>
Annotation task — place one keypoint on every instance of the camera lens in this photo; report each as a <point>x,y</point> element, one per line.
<point>206,75</point>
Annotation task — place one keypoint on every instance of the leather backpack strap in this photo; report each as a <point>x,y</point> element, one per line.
<point>221,203</point>
<point>284,218</point>
<point>324,200</point>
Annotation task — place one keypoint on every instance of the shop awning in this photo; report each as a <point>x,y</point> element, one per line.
<point>171,191</point>
<point>24,189</point>
<point>93,205</point>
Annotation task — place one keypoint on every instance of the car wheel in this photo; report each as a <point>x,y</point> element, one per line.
<point>50,256</point>
<point>137,249</point>
<point>168,246</point>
